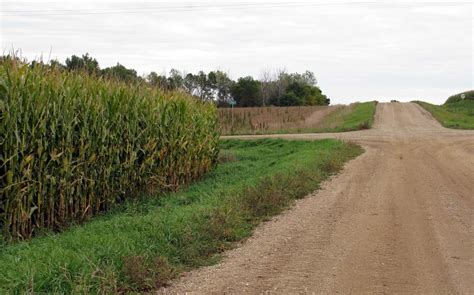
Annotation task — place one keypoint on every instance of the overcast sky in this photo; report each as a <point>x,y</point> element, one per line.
<point>358,50</point>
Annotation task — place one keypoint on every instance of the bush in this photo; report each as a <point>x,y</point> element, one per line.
<point>467,95</point>
<point>73,144</point>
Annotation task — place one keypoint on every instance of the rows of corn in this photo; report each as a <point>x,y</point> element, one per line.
<point>72,145</point>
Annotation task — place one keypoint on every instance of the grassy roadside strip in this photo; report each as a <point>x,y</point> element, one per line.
<point>145,243</point>
<point>360,116</point>
<point>457,115</point>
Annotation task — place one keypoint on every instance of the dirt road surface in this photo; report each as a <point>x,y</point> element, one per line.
<point>398,219</point>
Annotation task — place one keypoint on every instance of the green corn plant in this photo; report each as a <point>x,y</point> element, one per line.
<point>74,144</point>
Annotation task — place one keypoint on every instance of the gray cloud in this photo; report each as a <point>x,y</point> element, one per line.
<point>362,51</point>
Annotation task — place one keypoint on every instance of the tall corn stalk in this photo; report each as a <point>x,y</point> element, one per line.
<point>73,144</point>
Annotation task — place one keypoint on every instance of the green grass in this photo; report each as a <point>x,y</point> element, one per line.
<point>458,115</point>
<point>360,116</point>
<point>146,242</point>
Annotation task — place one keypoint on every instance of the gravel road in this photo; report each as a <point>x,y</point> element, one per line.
<point>398,219</point>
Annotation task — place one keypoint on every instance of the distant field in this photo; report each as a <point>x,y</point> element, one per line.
<point>458,115</point>
<point>265,120</point>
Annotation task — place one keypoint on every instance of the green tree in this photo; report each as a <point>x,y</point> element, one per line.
<point>190,84</point>
<point>157,80</point>
<point>247,92</point>
<point>175,79</point>
<point>85,62</point>
<point>296,89</point>
<point>300,93</point>
<point>223,86</point>
<point>295,95</point>
<point>120,72</point>
<point>204,86</point>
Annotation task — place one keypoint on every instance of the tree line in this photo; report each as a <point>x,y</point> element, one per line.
<point>277,88</point>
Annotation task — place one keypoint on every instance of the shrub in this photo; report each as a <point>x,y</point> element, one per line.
<point>467,95</point>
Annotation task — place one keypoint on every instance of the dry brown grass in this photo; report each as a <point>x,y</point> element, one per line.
<point>225,157</point>
<point>147,273</point>
<point>307,119</point>
<point>271,119</point>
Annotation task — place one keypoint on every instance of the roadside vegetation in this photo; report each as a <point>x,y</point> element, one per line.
<point>147,241</point>
<point>356,116</point>
<point>457,112</point>
<point>315,119</point>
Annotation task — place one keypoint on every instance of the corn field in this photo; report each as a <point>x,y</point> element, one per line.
<point>73,145</point>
